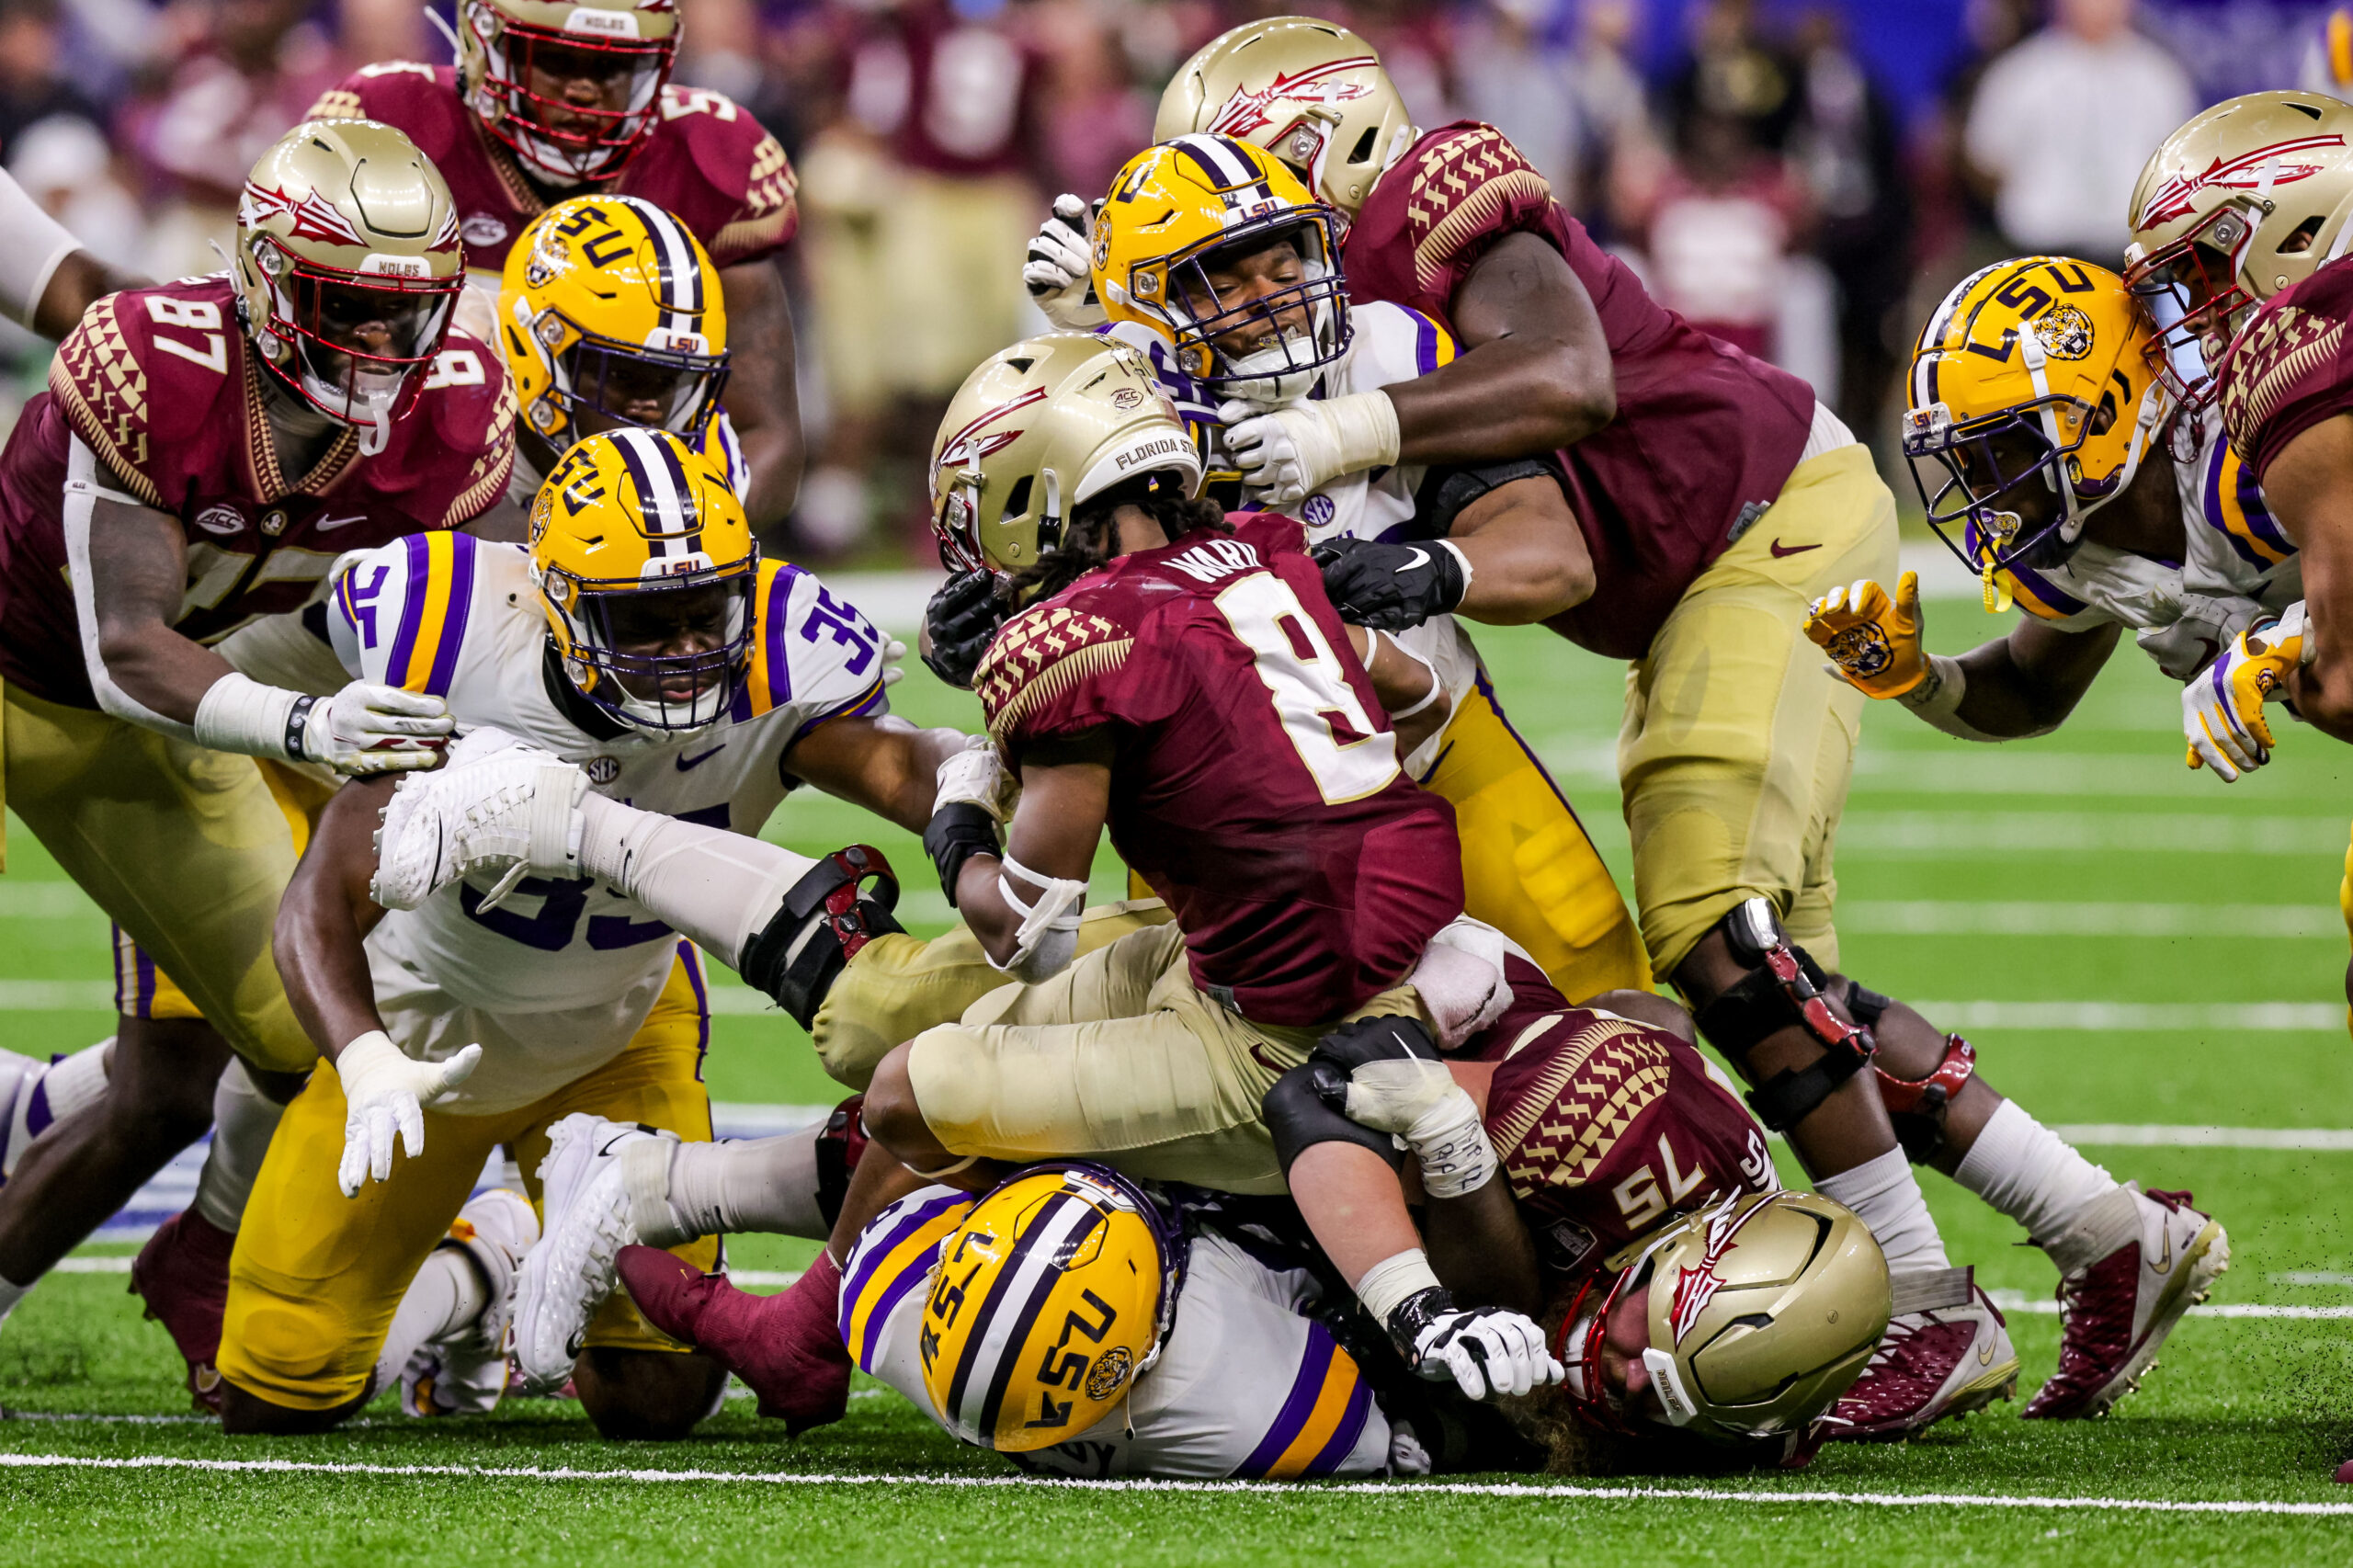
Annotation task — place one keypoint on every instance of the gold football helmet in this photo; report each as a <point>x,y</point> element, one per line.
<point>645,567</point>
<point>2246,199</point>
<point>1312,92</point>
<point>611,311</point>
<point>1040,427</point>
<point>1761,1311</point>
<point>1189,243</point>
<point>347,266</point>
<point>1048,1302</point>
<point>2034,390</point>
<point>517,58</point>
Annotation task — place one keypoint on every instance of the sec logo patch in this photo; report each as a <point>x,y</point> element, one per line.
<point>1318,511</point>
<point>603,769</point>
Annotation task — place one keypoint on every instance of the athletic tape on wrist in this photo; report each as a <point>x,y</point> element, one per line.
<point>1387,1284</point>
<point>1938,699</point>
<point>1456,1159</point>
<point>240,714</point>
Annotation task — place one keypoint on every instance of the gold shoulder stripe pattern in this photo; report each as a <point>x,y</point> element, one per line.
<point>1572,1114</point>
<point>486,480</point>
<point>1459,186</point>
<point>2283,347</point>
<point>1041,656</point>
<point>338,103</point>
<point>102,389</point>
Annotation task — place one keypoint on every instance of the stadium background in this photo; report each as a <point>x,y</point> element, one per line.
<point>2142,955</point>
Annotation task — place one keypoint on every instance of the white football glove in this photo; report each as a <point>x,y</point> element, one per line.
<point>385,1092</point>
<point>895,657</point>
<point>2221,708</point>
<point>1289,453</point>
<point>977,774</point>
<point>1057,271</point>
<point>500,805</point>
<point>1487,1352</point>
<point>366,728</point>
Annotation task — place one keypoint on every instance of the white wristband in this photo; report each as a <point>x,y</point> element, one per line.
<point>1937,700</point>
<point>240,714</point>
<point>1461,560</point>
<point>1392,1280</point>
<point>1457,1160</point>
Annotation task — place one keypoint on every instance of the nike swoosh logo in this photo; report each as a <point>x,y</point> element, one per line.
<point>1421,559</point>
<point>328,525</point>
<point>1985,1356</point>
<point>686,764</point>
<point>1780,549</point>
<point>2165,1258</point>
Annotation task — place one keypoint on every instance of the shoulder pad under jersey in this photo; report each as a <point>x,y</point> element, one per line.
<point>153,382</point>
<point>1394,343</point>
<point>468,400</point>
<point>745,168</point>
<point>397,616</point>
<point>813,652</point>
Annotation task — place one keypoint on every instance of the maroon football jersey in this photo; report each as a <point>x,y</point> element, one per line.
<point>1257,786</point>
<point>708,164</point>
<point>1702,432</point>
<point>2291,369</point>
<point>1605,1126</point>
<point>161,386</point>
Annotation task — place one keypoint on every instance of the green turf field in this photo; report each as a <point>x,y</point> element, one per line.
<point>2129,944</point>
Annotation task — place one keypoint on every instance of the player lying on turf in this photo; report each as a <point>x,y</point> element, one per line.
<point>1252,313</point>
<point>556,98</point>
<point>641,637</point>
<point>206,449</point>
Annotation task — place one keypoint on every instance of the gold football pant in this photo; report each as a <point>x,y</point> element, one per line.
<point>316,1276</point>
<point>1119,1059</point>
<point>184,847</point>
<point>1528,868</point>
<point>1736,747</point>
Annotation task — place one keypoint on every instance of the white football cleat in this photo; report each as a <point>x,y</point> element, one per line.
<point>497,805</point>
<point>1946,1352</point>
<point>2145,1258</point>
<point>466,1374</point>
<point>570,1272</point>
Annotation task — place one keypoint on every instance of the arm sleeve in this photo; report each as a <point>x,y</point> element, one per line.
<point>31,244</point>
<point>87,481</point>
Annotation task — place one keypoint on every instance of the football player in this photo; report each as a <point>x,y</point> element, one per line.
<point>1715,498</point>
<point>551,98</point>
<point>1153,1052</point>
<point>641,638</point>
<point>205,451</point>
<point>1252,313</point>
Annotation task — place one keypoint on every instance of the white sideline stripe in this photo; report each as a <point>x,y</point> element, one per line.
<point>2312,1276</point>
<point>1333,1489</point>
<point>2016,917</point>
<point>2311,1139</point>
<point>2099,1018</point>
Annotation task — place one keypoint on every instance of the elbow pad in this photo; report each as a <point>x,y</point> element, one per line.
<point>1048,939</point>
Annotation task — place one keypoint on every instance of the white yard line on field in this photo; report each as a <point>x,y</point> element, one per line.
<point>2132,1017</point>
<point>2020,1301</point>
<point>2020,917</point>
<point>1560,1493</point>
<point>2072,832</point>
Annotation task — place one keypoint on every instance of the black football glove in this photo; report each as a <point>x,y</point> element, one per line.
<point>960,619</point>
<point>1389,587</point>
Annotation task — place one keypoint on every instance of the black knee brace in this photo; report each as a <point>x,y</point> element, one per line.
<point>1783,986</point>
<point>821,926</point>
<point>1300,1119</point>
<point>1916,1106</point>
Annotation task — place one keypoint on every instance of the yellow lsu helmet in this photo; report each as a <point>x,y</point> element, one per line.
<point>2034,394</point>
<point>1040,429</point>
<point>1181,216</point>
<point>645,567</point>
<point>1761,1311</point>
<point>1048,1302</point>
<point>1310,91</point>
<point>2245,199</point>
<point>612,309</point>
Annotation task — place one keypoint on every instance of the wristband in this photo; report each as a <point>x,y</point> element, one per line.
<point>240,714</point>
<point>957,832</point>
<point>1457,1160</point>
<point>1937,700</point>
<point>1389,1283</point>
<point>1460,559</point>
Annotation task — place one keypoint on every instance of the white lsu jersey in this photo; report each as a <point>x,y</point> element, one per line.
<point>1246,1387</point>
<point>2238,566</point>
<point>554,980</point>
<point>1389,343</point>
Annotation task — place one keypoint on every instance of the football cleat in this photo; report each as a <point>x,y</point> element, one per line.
<point>787,1348</point>
<point>498,805</point>
<point>1946,1352</point>
<point>465,1375</point>
<point>183,1274</point>
<point>2117,1310</point>
<point>570,1273</point>
<point>20,1079</point>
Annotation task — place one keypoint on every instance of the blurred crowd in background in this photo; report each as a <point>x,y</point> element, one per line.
<point>1804,177</point>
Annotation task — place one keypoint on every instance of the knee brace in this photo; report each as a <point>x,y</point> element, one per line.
<point>822,924</point>
<point>1916,1106</point>
<point>1299,1119</point>
<point>1783,987</point>
<point>840,1142</point>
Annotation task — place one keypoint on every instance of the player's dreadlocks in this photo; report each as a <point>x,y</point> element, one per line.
<point>1089,541</point>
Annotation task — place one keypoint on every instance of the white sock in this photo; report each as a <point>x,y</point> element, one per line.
<point>446,1294</point>
<point>1885,1196</point>
<point>243,1120</point>
<point>763,1185</point>
<point>719,887</point>
<point>46,1092</point>
<point>2022,1169</point>
<point>9,1296</point>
